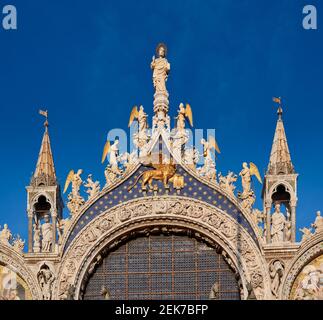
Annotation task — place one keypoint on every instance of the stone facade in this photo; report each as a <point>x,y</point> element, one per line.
<point>170,195</point>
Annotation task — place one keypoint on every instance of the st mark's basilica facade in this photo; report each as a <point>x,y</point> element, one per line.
<point>166,224</point>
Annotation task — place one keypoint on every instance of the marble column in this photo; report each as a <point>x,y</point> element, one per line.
<point>30,231</point>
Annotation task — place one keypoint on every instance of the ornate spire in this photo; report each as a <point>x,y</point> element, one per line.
<point>45,170</point>
<point>280,161</point>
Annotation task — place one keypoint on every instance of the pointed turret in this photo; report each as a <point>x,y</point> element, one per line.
<point>45,169</point>
<point>44,201</point>
<point>280,186</point>
<point>280,160</point>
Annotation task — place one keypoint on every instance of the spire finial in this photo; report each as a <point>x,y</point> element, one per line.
<point>280,109</point>
<point>45,170</point>
<point>280,160</point>
<point>45,114</point>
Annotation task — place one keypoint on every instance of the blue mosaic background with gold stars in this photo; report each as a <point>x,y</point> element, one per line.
<point>193,189</point>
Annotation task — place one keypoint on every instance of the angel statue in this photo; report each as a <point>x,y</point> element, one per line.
<point>246,173</point>
<point>139,115</point>
<point>208,146</point>
<point>208,170</point>
<point>93,187</point>
<point>75,199</point>
<point>161,68</point>
<point>112,170</point>
<point>113,150</point>
<point>184,113</point>
<point>247,195</point>
<point>141,137</point>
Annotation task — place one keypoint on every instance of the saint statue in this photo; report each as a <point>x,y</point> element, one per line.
<point>318,223</point>
<point>215,292</point>
<point>76,183</point>
<point>105,293</point>
<point>161,68</point>
<point>245,178</point>
<point>36,245</point>
<point>277,225</point>
<point>276,270</point>
<point>5,235</point>
<point>47,234</point>
<point>45,279</point>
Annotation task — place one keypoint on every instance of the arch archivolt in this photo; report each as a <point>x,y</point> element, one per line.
<point>114,225</point>
<point>14,261</point>
<point>307,253</point>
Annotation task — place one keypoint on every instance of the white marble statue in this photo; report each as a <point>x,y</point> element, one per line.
<point>47,235</point>
<point>142,119</point>
<point>184,113</point>
<point>18,244</point>
<point>76,183</point>
<point>45,279</point>
<point>5,235</point>
<point>93,188</point>
<point>161,68</point>
<point>37,240</point>
<point>191,157</point>
<point>278,221</point>
<point>75,200</point>
<point>288,227</point>
<point>180,138</point>
<point>245,178</point>
<point>276,270</point>
<point>318,223</point>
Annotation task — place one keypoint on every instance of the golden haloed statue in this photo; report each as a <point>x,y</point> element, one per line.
<point>161,68</point>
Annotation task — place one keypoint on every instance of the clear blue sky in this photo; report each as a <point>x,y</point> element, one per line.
<point>87,62</point>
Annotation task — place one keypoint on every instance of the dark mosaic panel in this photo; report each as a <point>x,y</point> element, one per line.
<point>163,267</point>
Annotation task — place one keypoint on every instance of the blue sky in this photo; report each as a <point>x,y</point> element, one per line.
<point>87,62</point>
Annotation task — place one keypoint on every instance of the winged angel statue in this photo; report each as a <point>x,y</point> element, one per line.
<point>208,170</point>
<point>247,195</point>
<point>184,113</point>
<point>75,199</point>
<point>142,136</point>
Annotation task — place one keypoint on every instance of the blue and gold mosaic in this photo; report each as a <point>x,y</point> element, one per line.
<point>193,189</point>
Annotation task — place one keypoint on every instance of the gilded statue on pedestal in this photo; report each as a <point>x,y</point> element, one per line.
<point>161,68</point>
